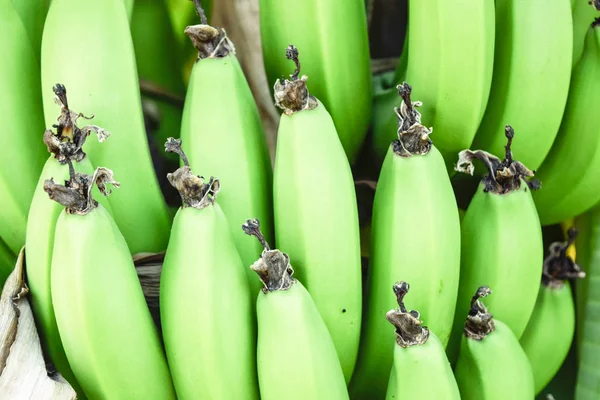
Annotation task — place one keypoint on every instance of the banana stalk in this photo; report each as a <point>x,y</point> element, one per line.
<point>65,146</point>
<point>572,169</point>
<point>492,365</point>
<point>501,242</point>
<point>531,77</point>
<point>550,330</point>
<point>106,328</point>
<point>87,46</point>
<point>584,13</point>
<point>419,357</point>
<point>21,123</point>
<point>224,134</point>
<point>413,174</point>
<point>309,150</point>
<point>335,43</point>
<point>206,309</point>
<point>449,63</point>
<point>307,367</point>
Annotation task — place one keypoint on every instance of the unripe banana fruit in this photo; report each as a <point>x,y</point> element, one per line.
<point>413,177</point>
<point>296,356</point>
<point>550,330</point>
<point>335,48</point>
<point>309,150</point>
<point>206,308</point>
<point>223,133</point>
<point>106,328</point>
<point>501,242</point>
<point>7,262</point>
<point>492,365</point>
<point>584,13</point>
<point>419,357</point>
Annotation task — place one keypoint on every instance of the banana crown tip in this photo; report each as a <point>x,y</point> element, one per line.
<point>413,137</point>
<point>76,194</point>
<point>67,143</point>
<point>193,189</point>
<point>480,322</point>
<point>273,267</point>
<point>291,95</point>
<point>409,328</point>
<point>504,176</point>
<point>208,40</point>
<point>558,265</point>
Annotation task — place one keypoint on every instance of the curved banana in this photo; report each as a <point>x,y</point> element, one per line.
<point>223,132</point>
<point>584,13</point>
<point>501,242</point>
<point>449,63</point>
<point>205,303</point>
<point>296,357</point>
<point>572,169</point>
<point>492,365</point>
<point>413,175</point>
<point>21,124</point>
<point>32,14</point>
<point>550,330</point>
<point>531,77</point>
<point>309,150</point>
<point>41,225</point>
<point>100,71</point>
<point>106,328</point>
<point>336,56</point>
<point>154,39</point>
<point>419,357</point>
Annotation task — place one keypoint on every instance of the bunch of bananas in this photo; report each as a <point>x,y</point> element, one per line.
<point>241,319</point>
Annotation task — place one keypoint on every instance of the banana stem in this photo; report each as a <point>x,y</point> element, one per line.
<point>558,266</point>
<point>479,322</point>
<point>292,95</point>
<point>291,53</point>
<point>200,12</point>
<point>409,328</point>
<point>273,267</point>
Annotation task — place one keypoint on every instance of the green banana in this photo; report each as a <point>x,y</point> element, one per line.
<point>306,367</point>
<point>7,262</point>
<point>206,309</point>
<point>309,150</point>
<point>449,63</point>
<point>32,14</point>
<point>65,146</point>
<point>501,242</point>
<point>154,39</point>
<point>588,377</point>
<point>22,124</point>
<point>101,75</point>
<point>572,168</point>
<point>224,134</point>
<point>413,174</point>
<point>129,6</point>
<point>106,328</point>
<point>419,357</point>
<point>336,46</point>
<point>532,68</point>
<point>584,13</point>
<point>550,330</point>
<point>492,365</point>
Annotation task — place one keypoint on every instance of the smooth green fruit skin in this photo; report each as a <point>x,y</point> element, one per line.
<point>7,262</point>
<point>588,377</point>
<point>584,14</point>
<point>33,14</point>
<point>501,248</point>
<point>99,72</point>
<point>153,40</point>
<point>22,126</point>
<point>129,6</point>
<point>414,199</point>
<point>206,309</point>
<point>549,333</point>
<point>319,229</point>
<point>571,171</point>
<point>422,372</point>
<point>531,78</point>
<point>296,356</point>
<point>39,242</point>
<point>495,368</point>
<point>108,334</point>
<point>222,136</point>
<point>334,53</point>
